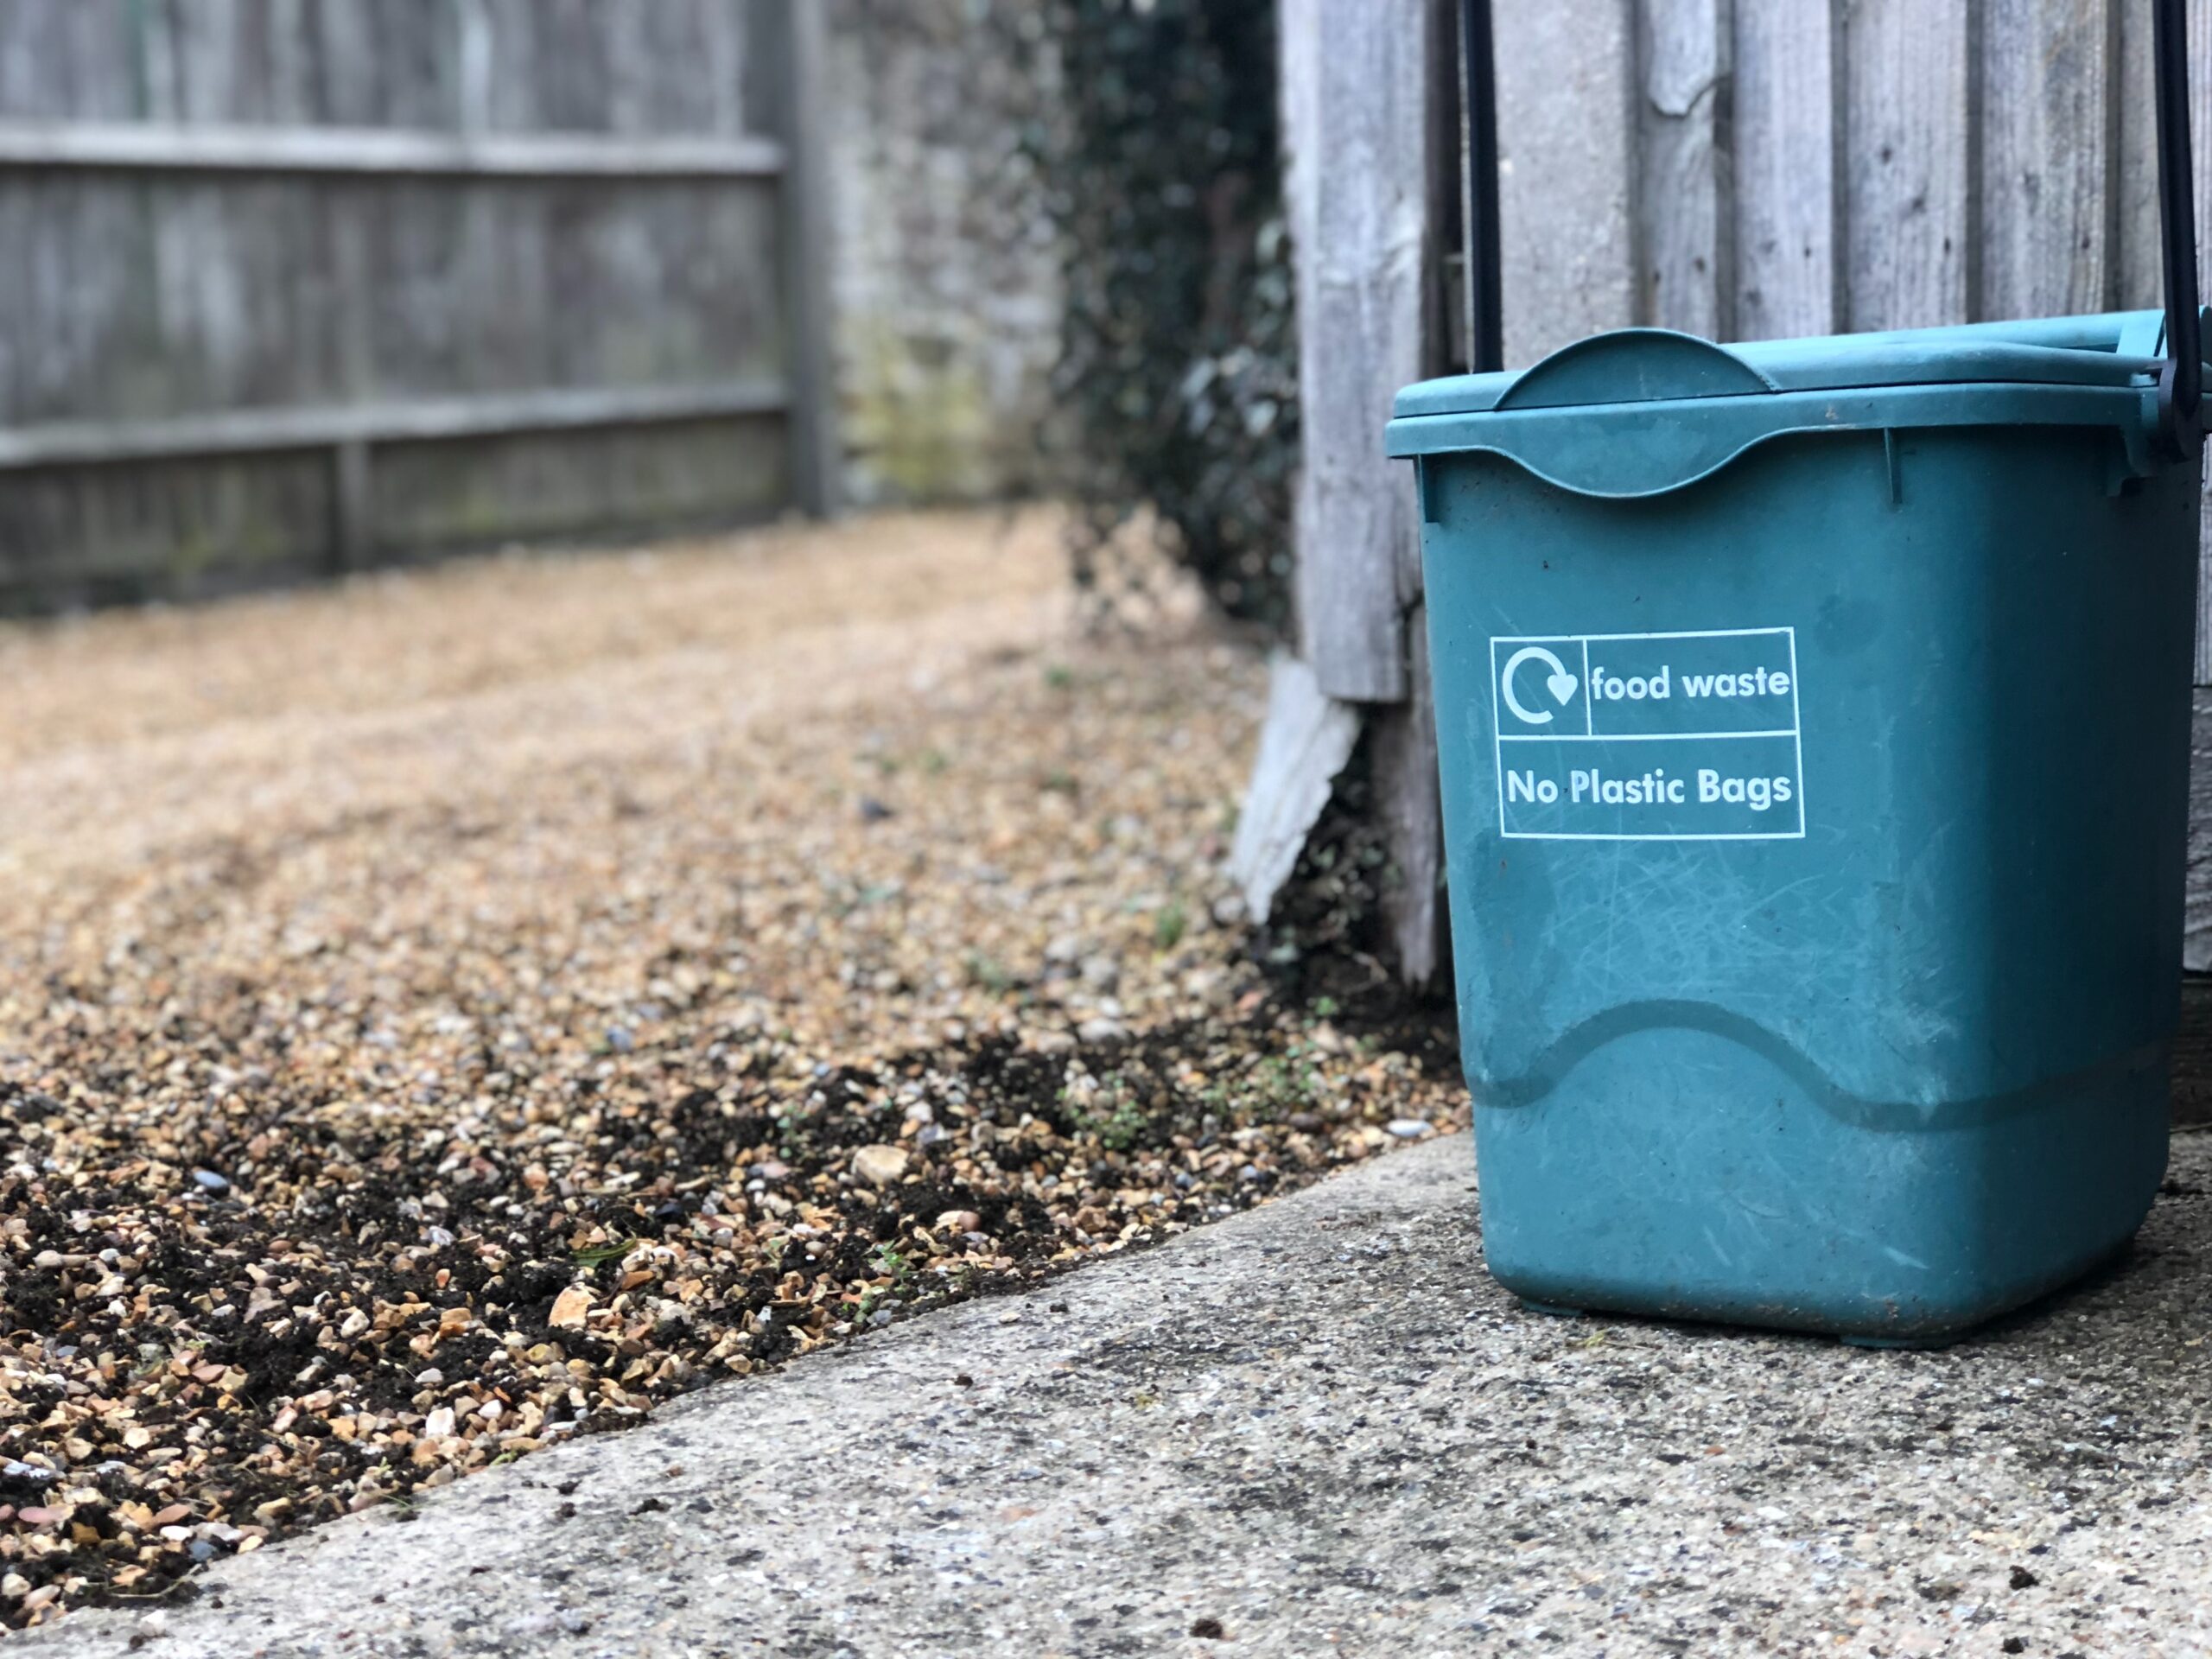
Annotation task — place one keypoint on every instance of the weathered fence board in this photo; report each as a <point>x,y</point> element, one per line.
<point>1788,246</point>
<point>1686,219</point>
<point>802,114</point>
<point>1565,133</point>
<point>576,482</point>
<point>562,238</point>
<point>2135,182</point>
<point>1910,247</point>
<point>174,147</point>
<point>415,420</point>
<point>2049,120</point>
<point>1357,77</point>
<point>1368,85</point>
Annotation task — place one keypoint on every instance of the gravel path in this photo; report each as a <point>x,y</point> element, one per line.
<point>1319,1429</point>
<point>467,1009</point>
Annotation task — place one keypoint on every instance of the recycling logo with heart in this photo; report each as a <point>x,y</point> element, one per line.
<point>1561,685</point>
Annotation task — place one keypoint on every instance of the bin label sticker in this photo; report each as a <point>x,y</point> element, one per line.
<point>1690,736</point>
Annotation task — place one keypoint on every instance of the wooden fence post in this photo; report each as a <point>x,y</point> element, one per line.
<point>817,460</point>
<point>1371,141</point>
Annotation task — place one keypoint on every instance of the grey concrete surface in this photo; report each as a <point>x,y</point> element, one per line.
<point>1320,1426</point>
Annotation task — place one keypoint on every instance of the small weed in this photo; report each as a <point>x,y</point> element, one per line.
<point>1112,1114</point>
<point>988,973</point>
<point>594,1255</point>
<point>933,762</point>
<point>1059,677</point>
<point>1168,924</point>
<point>1324,1007</point>
<point>1282,1084</point>
<point>1060,781</point>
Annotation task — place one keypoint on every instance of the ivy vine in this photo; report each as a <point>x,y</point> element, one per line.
<point>1156,135</point>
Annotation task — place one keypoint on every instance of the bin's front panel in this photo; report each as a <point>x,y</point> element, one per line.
<point>1852,778</point>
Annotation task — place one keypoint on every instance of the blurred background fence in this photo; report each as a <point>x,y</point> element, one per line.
<point>290,285</point>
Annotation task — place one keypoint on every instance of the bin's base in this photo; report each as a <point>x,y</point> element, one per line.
<point>1552,1310</point>
<point>1904,1343</point>
<point>1679,1173</point>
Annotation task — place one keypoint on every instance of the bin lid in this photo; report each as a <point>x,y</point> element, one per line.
<point>1640,411</point>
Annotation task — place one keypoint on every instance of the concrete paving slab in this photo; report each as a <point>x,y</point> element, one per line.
<point>1317,1429</point>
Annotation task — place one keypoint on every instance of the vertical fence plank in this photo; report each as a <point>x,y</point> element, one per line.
<point>1788,202</point>
<point>2049,131</point>
<point>289,95</point>
<point>63,59</point>
<point>152,34</point>
<point>1404,733</point>
<point>475,66</point>
<point>210,48</point>
<point>1370,133</point>
<point>346,51</point>
<point>1565,133</point>
<point>817,464</point>
<point>725,65</point>
<point>1909,167</point>
<point>1409,794</point>
<point>574,83</point>
<point>1358,84</point>
<point>2136,282</point>
<point>510,98</point>
<point>1685,210</point>
<point>632,106</point>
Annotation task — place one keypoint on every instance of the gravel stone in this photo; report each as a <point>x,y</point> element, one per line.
<point>881,1165</point>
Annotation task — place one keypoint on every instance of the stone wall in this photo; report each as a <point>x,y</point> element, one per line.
<point>947,295</point>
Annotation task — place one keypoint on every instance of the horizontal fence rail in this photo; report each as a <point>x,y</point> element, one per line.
<point>375,151</point>
<point>263,431</point>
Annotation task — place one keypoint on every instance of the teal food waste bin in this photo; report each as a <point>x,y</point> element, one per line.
<point>1813,720</point>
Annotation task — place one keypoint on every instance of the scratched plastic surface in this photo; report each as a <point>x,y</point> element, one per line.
<point>1814,735</point>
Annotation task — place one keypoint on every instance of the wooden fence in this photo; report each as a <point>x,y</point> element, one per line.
<point>1735,168</point>
<point>289,285</point>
